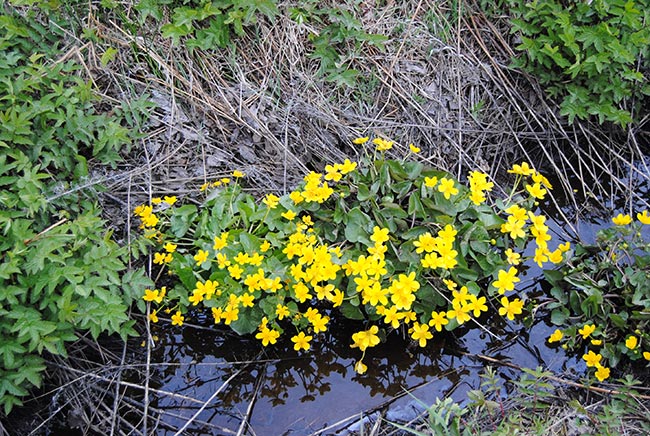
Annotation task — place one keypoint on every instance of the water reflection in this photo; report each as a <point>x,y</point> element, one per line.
<point>275,390</point>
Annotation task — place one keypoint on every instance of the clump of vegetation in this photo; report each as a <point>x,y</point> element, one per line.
<point>60,271</point>
<point>390,242</point>
<point>534,404</point>
<point>594,55</point>
<point>602,296</point>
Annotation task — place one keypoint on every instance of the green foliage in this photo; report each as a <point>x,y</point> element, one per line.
<point>60,273</point>
<point>205,24</point>
<point>606,285</point>
<point>338,42</point>
<point>594,56</point>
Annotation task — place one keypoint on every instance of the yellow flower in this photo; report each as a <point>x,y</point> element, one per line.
<point>170,200</point>
<point>289,215</point>
<point>536,190</point>
<point>512,257</point>
<point>592,359</point>
<point>271,200</point>
<point>238,174</point>
<point>430,182</point>
<point>332,173</point>
<point>360,367</point>
<point>366,338</point>
<point>556,336</point>
<point>156,200</point>
<point>622,220</point>
<point>201,257</point>
<point>301,341</point>
<point>438,319</point>
<point>631,342</point>
<point>447,187</point>
<point>602,373</point>
<point>511,308</point>
<point>361,140</point>
<point>178,318</point>
<point>523,170</point>
<point>296,197</point>
<point>506,280</point>
<point>564,247</point>
<point>220,241</point>
<point>477,305</point>
<point>153,316</point>
<point>597,342</point>
<point>646,355</point>
<point>159,258</point>
<point>150,295</point>
<point>643,217</point>
<point>170,247</point>
<point>382,144</point>
<point>414,149</point>
<point>347,166</point>
<point>268,336</point>
<point>266,245</point>
<point>281,311</point>
<point>379,235</point>
<point>587,330</point>
<point>421,333</point>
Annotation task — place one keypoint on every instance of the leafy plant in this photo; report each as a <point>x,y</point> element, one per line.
<point>594,56</point>
<point>205,24</point>
<point>338,42</point>
<point>60,272</point>
<point>602,296</point>
<point>390,242</point>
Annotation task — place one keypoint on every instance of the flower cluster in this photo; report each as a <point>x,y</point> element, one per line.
<point>341,242</point>
<point>613,280</point>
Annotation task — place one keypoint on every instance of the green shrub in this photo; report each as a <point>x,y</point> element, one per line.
<point>593,55</point>
<point>60,272</point>
<point>205,24</point>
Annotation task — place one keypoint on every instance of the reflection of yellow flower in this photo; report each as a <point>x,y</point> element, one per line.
<point>622,220</point>
<point>643,217</point>
<point>360,367</point>
<point>556,336</point>
<point>631,342</point>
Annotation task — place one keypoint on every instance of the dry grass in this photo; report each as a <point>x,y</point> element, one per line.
<point>443,83</point>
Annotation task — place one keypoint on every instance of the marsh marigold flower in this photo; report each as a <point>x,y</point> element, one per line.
<point>382,144</point>
<point>421,333</point>
<point>447,187</point>
<point>414,149</point>
<point>643,217</point>
<point>622,220</point>
<point>631,342</point>
<point>301,341</point>
<point>361,140</point>
<point>365,339</point>
<point>511,308</point>
<point>201,257</point>
<point>556,336</point>
<point>523,169</point>
<point>360,367</point>
<point>506,280</point>
<point>592,359</point>
<point>178,318</point>
<point>587,330</point>
<point>602,373</point>
<point>238,174</point>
